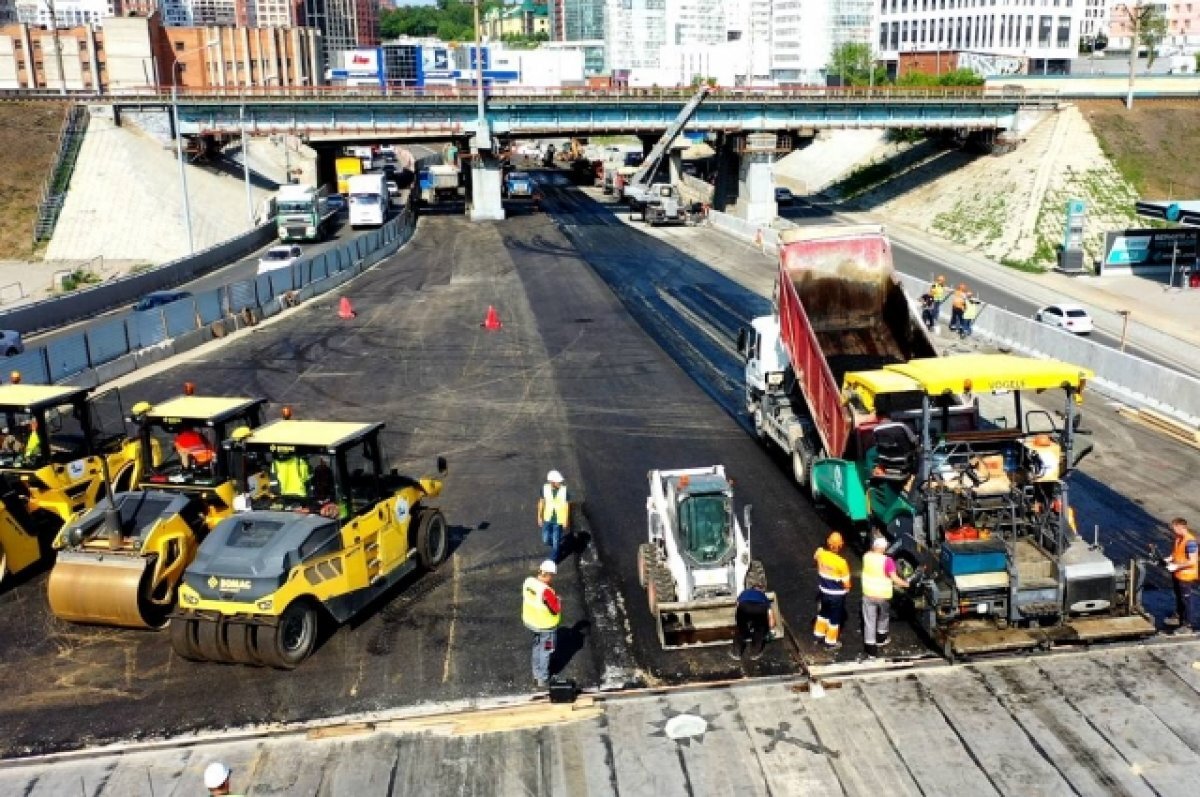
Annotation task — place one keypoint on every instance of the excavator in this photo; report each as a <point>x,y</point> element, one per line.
<point>121,562</point>
<point>58,448</point>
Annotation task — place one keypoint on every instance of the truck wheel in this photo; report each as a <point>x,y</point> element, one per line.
<point>292,640</point>
<point>433,539</point>
<point>647,558</point>
<point>801,463</point>
<point>759,429</point>
<point>183,639</point>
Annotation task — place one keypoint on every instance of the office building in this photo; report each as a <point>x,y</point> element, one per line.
<point>576,20</point>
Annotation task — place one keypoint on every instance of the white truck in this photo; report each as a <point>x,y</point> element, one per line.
<point>439,183</point>
<point>369,200</point>
<point>302,213</point>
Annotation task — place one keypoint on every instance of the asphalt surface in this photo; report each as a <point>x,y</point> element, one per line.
<point>921,266</point>
<point>616,356</point>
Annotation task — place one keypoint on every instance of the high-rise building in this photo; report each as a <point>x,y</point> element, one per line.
<point>636,31</point>
<point>576,20</point>
<point>344,24</point>
<point>67,13</point>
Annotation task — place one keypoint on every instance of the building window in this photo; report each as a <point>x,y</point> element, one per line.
<point>178,47</point>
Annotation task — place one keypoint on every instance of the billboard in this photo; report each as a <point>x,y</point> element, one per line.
<point>1150,251</point>
<point>363,62</point>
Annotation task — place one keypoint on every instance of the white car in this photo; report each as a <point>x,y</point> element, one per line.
<point>1070,317</point>
<point>278,257</point>
<point>11,343</point>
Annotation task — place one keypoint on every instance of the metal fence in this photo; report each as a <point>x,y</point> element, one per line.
<point>126,343</point>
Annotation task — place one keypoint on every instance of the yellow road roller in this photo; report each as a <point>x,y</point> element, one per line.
<point>58,448</point>
<point>326,533</point>
<point>121,562</point>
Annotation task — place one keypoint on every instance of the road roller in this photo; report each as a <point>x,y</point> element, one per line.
<point>120,563</point>
<point>326,533</point>
<point>59,445</point>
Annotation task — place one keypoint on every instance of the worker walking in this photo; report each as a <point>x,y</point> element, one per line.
<point>541,612</point>
<point>970,313</point>
<point>553,512</point>
<point>1184,566</point>
<point>833,582</point>
<point>937,289</point>
<point>958,307</point>
<point>879,576</point>
<point>754,619</point>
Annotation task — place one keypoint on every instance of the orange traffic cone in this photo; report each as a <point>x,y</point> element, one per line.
<point>345,309</point>
<point>492,321</point>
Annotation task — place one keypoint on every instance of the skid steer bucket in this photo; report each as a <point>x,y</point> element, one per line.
<point>103,588</point>
<point>701,623</point>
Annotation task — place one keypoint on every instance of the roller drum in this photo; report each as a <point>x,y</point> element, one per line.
<point>103,589</point>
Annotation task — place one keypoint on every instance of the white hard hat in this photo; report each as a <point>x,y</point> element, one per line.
<point>215,775</point>
<point>554,477</point>
<point>548,566</point>
<point>879,543</point>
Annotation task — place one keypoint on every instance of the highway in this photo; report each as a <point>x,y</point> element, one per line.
<point>615,356</point>
<point>920,265</point>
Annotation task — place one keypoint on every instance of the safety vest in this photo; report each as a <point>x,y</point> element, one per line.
<point>875,581</point>
<point>33,446</point>
<point>554,504</point>
<point>973,309</point>
<point>534,612</point>
<point>958,300</point>
<point>833,574</point>
<point>938,292</point>
<point>292,475</point>
<point>1179,556</point>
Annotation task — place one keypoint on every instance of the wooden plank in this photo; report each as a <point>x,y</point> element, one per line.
<point>1148,746</point>
<point>288,767</point>
<point>1183,661</point>
<point>991,735</point>
<point>861,752</point>
<point>1082,755</point>
<point>935,754</point>
<point>644,759</point>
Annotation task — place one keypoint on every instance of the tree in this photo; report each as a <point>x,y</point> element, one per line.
<point>1140,18</point>
<point>1152,31</point>
<point>853,63</point>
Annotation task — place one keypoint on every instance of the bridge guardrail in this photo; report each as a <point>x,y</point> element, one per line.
<point>123,344</point>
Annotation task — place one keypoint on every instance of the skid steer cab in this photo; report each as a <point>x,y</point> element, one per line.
<point>325,532</point>
<point>121,562</point>
<point>58,447</point>
<point>697,558</point>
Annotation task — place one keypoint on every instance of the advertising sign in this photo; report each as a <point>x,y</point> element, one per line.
<point>1150,250</point>
<point>362,63</point>
<point>435,62</point>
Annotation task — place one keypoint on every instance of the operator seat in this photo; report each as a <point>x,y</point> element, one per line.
<point>895,450</point>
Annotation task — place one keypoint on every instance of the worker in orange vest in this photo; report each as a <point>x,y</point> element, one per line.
<point>958,306</point>
<point>1184,566</point>
<point>833,583</point>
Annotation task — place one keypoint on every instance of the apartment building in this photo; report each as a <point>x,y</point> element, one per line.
<point>1183,26</point>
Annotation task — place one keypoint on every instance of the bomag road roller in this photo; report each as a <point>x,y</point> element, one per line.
<point>121,562</point>
<point>58,449</point>
<point>326,531</point>
<point>697,559</point>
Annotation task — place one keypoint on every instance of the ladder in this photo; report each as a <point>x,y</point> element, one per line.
<point>645,174</point>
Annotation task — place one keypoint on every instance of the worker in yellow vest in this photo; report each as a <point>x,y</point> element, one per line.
<point>833,583</point>
<point>937,289</point>
<point>541,612</point>
<point>554,513</point>
<point>1184,566</point>
<point>879,576</point>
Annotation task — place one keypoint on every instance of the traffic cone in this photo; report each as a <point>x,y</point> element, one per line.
<point>492,321</point>
<point>345,309</point>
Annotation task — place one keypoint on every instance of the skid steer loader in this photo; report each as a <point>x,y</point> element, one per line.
<point>58,447</point>
<point>697,559</point>
<point>121,562</point>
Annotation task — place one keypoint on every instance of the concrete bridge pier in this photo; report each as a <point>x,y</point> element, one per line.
<point>486,202</point>
<point>745,181</point>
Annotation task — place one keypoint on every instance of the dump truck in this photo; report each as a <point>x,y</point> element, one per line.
<point>121,562</point>
<point>59,448</point>
<point>697,558</point>
<point>439,183</point>
<point>324,533</point>
<point>346,168</point>
<point>838,306</point>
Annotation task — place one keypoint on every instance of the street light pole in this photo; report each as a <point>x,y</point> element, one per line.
<point>479,75</point>
<point>187,205</point>
<point>246,164</point>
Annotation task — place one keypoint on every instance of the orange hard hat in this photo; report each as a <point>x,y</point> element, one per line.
<point>1042,440</point>
<point>835,541</point>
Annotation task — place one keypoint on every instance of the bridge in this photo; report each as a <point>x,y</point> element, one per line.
<point>449,112</point>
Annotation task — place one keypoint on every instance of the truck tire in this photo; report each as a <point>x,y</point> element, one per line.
<point>210,641</point>
<point>802,460</point>
<point>292,641</point>
<point>647,558</point>
<point>433,538</point>
<point>756,415</point>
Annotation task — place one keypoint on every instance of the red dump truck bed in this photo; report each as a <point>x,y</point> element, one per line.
<point>841,308</point>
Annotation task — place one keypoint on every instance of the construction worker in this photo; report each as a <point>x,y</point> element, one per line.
<point>291,474</point>
<point>193,448</point>
<point>958,306</point>
<point>33,443</point>
<point>833,582</point>
<point>216,780</point>
<point>879,576</point>
<point>929,311</point>
<point>553,512</point>
<point>970,313</point>
<point>937,289</point>
<point>754,619</point>
<point>541,612</point>
<point>1184,566</point>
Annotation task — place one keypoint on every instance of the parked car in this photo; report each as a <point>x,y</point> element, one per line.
<point>158,298</point>
<point>278,257</point>
<point>11,343</point>
<point>1070,317</point>
<point>783,196</point>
